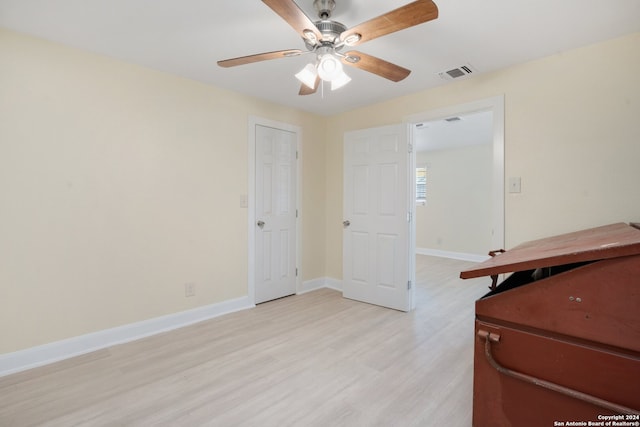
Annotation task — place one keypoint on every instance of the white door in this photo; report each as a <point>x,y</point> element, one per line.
<point>377,217</point>
<point>275,212</point>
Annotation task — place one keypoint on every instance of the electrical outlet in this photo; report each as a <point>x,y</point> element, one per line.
<point>189,289</point>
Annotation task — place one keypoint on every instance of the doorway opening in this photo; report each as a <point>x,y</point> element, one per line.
<point>458,157</point>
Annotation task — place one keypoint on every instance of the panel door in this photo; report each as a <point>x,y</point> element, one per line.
<point>376,217</point>
<point>275,229</point>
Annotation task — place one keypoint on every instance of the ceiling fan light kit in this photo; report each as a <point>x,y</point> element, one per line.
<point>308,75</point>
<point>326,38</point>
<point>340,81</point>
<point>329,68</point>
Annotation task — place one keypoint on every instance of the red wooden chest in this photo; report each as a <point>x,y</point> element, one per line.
<point>557,343</point>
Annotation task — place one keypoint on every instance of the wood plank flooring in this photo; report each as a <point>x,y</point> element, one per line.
<point>310,360</point>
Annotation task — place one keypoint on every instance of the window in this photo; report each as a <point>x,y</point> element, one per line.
<point>421,185</point>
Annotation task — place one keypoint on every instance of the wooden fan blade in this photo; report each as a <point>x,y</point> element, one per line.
<point>414,13</point>
<point>377,66</point>
<point>258,57</point>
<point>290,12</point>
<point>306,90</point>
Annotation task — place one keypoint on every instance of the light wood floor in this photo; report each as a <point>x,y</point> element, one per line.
<point>309,360</point>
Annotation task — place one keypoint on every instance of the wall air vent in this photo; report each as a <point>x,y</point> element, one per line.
<point>457,73</point>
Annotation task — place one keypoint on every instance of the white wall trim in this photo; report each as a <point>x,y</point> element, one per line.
<point>312,285</point>
<point>453,255</point>
<point>49,353</point>
<point>334,284</point>
<point>320,283</point>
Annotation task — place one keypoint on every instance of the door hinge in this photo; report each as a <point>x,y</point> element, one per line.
<point>296,213</point>
<point>296,272</point>
<point>409,284</point>
<point>410,148</point>
<point>296,155</point>
<point>409,216</point>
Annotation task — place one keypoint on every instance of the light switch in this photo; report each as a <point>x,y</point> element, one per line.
<point>244,201</point>
<point>515,184</point>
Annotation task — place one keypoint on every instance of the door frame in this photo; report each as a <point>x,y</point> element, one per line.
<point>496,106</point>
<point>251,198</point>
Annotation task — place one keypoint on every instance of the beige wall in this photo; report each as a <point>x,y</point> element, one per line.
<point>119,184</point>
<point>571,132</point>
<point>457,215</point>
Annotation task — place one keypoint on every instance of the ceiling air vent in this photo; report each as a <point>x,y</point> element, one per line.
<point>456,73</point>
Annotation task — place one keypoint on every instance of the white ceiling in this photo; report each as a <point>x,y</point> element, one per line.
<point>187,37</point>
<point>470,129</point>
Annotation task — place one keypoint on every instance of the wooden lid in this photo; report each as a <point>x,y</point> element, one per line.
<point>609,241</point>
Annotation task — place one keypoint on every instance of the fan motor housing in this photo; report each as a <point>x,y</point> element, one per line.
<point>330,30</point>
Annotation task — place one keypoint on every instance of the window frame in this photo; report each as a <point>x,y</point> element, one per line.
<point>421,181</point>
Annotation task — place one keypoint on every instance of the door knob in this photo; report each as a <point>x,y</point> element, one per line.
<point>260,224</point>
<point>346,223</point>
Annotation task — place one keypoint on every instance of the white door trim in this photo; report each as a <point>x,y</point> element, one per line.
<point>411,208</point>
<point>251,197</point>
<point>496,105</point>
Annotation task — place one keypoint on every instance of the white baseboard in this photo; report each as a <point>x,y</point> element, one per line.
<point>319,283</point>
<point>49,353</point>
<point>334,284</point>
<point>312,285</point>
<point>454,255</point>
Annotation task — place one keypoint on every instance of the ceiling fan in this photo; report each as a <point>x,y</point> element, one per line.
<point>328,38</point>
